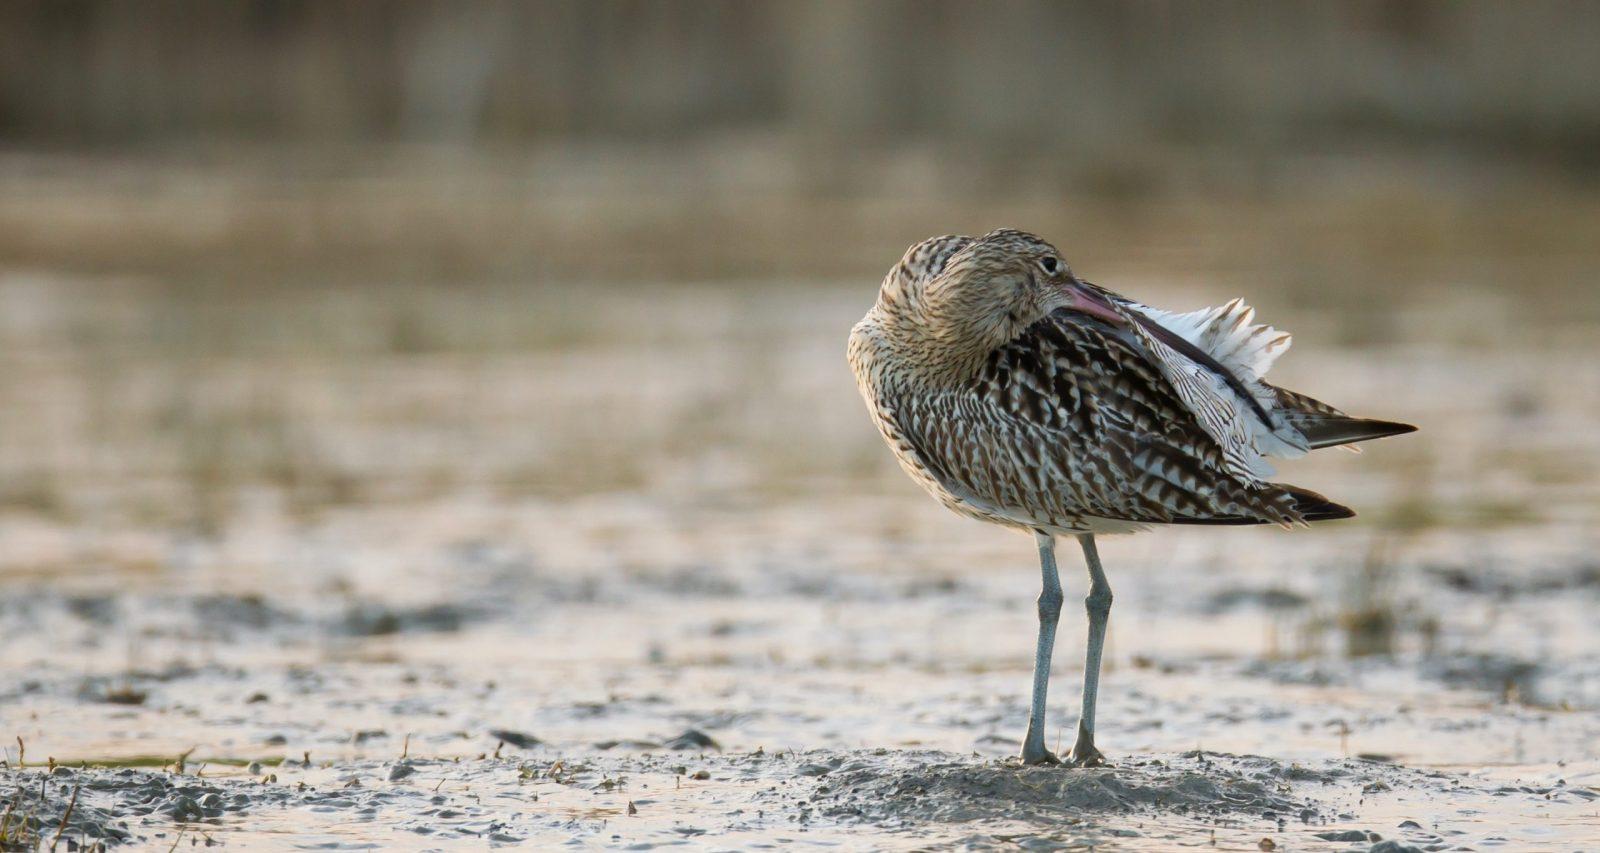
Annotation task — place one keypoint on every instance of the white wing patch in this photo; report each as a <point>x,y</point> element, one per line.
<point>1225,334</point>
<point>1245,350</point>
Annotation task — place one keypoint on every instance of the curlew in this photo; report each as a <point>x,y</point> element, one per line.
<point>1019,394</point>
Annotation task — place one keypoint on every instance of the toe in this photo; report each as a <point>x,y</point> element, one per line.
<point>1042,757</point>
<point>1087,758</point>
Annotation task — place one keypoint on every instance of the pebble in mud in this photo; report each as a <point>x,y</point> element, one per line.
<point>693,739</point>
<point>512,737</point>
<point>1347,835</point>
<point>634,745</point>
<point>1392,846</point>
<point>370,619</point>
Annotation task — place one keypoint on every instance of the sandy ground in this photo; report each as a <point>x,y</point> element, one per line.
<point>689,617</point>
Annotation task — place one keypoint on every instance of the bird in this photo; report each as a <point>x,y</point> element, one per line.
<point>1019,394</point>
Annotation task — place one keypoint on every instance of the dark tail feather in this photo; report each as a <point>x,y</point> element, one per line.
<point>1309,505</point>
<point>1315,507</point>
<point>1332,431</point>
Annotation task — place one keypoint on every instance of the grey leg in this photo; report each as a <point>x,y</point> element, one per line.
<point>1033,749</point>
<point>1098,603</point>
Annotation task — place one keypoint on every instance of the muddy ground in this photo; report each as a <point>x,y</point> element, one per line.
<point>469,566</point>
<point>487,696</point>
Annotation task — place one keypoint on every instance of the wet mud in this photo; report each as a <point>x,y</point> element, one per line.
<point>611,592</point>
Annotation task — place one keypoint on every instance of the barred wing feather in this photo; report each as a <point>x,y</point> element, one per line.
<point>1215,359</point>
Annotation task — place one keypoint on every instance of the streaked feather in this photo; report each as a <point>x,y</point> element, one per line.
<point>1069,425</point>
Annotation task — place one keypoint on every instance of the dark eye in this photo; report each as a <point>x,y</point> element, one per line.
<point>1049,264</point>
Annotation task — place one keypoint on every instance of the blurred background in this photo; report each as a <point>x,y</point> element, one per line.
<point>347,252</point>
<point>389,304</point>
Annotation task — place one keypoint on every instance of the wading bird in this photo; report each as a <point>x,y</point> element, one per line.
<point>1019,394</point>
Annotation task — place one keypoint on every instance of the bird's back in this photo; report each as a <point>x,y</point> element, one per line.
<point>1069,428</point>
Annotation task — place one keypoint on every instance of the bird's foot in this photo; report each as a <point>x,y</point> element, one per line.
<point>1084,753</point>
<point>1034,753</point>
<point>1041,759</point>
<point>1086,758</point>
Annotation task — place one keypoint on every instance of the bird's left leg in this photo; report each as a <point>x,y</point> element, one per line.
<point>1098,603</point>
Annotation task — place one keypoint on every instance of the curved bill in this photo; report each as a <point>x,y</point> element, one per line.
<point>1083,298</point>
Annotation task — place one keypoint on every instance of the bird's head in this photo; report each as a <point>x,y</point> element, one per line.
<point>981,293</point>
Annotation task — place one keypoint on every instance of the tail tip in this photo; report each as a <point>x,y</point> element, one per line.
<point>1314,507</point>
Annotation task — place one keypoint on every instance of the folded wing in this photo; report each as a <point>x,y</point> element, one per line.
<point>1074,423</point>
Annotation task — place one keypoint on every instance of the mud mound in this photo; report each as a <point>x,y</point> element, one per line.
<point>942,787</point>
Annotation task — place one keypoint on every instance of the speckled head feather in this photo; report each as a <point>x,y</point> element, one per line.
<point>966,296</point>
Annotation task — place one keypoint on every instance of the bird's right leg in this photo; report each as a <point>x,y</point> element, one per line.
<point>1033,749</point>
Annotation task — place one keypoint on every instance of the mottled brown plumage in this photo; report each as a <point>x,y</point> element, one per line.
<point>1011,406</point>
<point>1019,394</point>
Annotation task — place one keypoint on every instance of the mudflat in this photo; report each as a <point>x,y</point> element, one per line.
<point>627,567</point>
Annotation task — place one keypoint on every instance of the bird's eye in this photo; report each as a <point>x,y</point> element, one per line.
<point>1049,264</point>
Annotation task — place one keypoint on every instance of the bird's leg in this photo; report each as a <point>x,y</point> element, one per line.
<point>1098,603</point>
<point>1033,749</point>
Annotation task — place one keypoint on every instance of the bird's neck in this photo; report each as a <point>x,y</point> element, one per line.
<point>939,350</point>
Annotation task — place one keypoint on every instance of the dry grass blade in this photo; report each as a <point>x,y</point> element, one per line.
<point>66,816</point>
<point>5,822</point>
